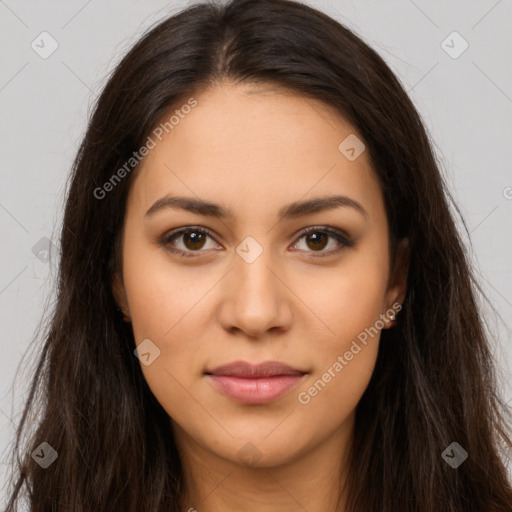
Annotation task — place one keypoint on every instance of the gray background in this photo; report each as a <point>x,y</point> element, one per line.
<point>465,102</point>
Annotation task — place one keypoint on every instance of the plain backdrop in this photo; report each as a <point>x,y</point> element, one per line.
<point>461,84</point>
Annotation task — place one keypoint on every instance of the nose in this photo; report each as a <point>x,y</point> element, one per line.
<point>255,298</point>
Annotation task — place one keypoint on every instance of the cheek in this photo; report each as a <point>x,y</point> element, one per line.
<point>168,305</point>
<point>160,293</point>
<point>350,305</point>
<point>350,300</point>
<point>328,400</point>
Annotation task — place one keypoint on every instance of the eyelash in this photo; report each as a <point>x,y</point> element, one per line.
<point>337,235</point>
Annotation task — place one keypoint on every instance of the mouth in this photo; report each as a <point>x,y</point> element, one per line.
<point>255,384</point>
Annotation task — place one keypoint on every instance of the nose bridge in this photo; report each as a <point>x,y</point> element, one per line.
<point>255,281</point>
<point>257,299</point>
<point>256,274</point>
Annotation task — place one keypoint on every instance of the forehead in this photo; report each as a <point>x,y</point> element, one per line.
<point>246,145</point>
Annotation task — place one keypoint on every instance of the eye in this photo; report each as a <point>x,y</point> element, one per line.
<point>317,238</point>
<point>192,239</point>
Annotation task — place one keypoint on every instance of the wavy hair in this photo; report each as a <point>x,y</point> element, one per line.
<point>434,381</point>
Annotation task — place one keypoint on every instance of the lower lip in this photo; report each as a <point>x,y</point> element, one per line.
<point>255,391</point>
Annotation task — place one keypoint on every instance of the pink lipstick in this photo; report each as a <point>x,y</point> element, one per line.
<point>255,384</point>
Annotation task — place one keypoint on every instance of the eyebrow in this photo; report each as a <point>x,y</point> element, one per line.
<point>290,211</point>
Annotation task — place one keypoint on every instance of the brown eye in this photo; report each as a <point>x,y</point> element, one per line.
<point>186,241</point>
<point>190,240</point>
<point>193,239</point>
<point>318,240</point>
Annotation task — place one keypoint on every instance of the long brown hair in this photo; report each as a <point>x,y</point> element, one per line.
<point>434,382</point>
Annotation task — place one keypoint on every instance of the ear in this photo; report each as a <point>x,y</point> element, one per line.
<point>398,279</point>
<point>119,293</point>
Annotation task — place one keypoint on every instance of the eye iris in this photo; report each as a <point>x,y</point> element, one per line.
<point>193,239</point>
<point>316,237</point>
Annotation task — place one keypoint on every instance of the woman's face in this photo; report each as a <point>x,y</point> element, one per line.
<point>252,286</point>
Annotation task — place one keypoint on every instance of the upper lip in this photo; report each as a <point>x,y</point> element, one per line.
<point>248,370</point>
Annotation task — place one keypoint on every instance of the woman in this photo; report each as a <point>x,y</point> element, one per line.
<point>264,303</point>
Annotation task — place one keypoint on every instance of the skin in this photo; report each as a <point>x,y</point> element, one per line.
<point>255,150</point>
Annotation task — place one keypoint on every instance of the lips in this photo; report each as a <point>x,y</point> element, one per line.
<point>255,384</point>
<point>243,369</point>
